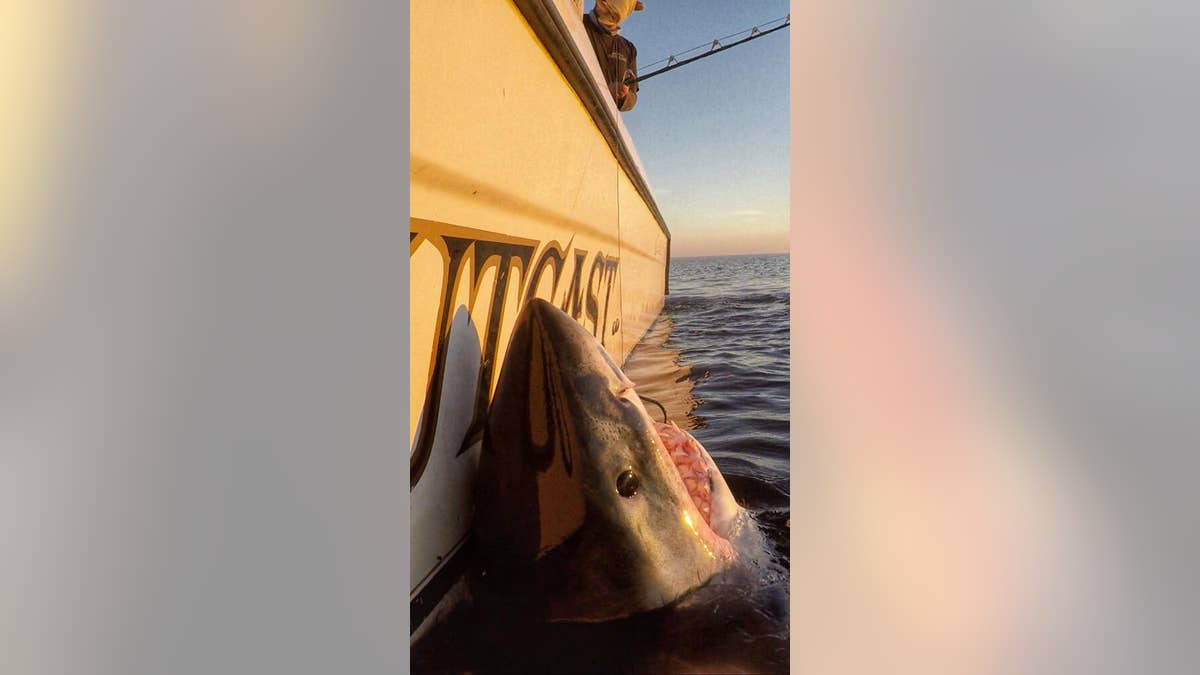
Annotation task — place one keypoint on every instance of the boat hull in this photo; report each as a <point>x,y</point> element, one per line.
<point>520,188</point>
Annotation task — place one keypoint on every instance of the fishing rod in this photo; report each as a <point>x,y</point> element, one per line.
<point>755,33</point>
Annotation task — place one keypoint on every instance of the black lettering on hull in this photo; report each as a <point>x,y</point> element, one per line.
<point>582,299</point>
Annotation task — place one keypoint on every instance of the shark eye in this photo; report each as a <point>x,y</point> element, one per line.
<point>627,483</point>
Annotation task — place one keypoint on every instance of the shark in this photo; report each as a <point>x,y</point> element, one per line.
<point>586,508</point>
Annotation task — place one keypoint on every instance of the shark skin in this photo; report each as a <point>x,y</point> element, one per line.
<point>581,512</point>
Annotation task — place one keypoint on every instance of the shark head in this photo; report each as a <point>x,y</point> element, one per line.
<point>581,510</point>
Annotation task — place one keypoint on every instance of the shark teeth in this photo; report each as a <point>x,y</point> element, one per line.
<point>685,454</point>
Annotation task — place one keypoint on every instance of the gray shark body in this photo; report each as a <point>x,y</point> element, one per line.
<point>581,513</point>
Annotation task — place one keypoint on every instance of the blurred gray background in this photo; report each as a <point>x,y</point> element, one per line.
<point>1054,170</point>
<point>202,436</point>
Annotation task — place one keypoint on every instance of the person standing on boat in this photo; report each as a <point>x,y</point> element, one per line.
<point>618,56</point>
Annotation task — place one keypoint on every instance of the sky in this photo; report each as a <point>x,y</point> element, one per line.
<point>713,135</point>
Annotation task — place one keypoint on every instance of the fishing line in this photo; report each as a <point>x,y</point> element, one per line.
<point>660,406</point>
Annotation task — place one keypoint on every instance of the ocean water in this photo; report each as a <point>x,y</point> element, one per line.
<point>717,360</point>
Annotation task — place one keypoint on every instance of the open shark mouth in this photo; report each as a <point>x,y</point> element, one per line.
<point>703,483</point>
<point>686,456</point>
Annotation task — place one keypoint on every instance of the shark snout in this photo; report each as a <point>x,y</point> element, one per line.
<point>560,334</point>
